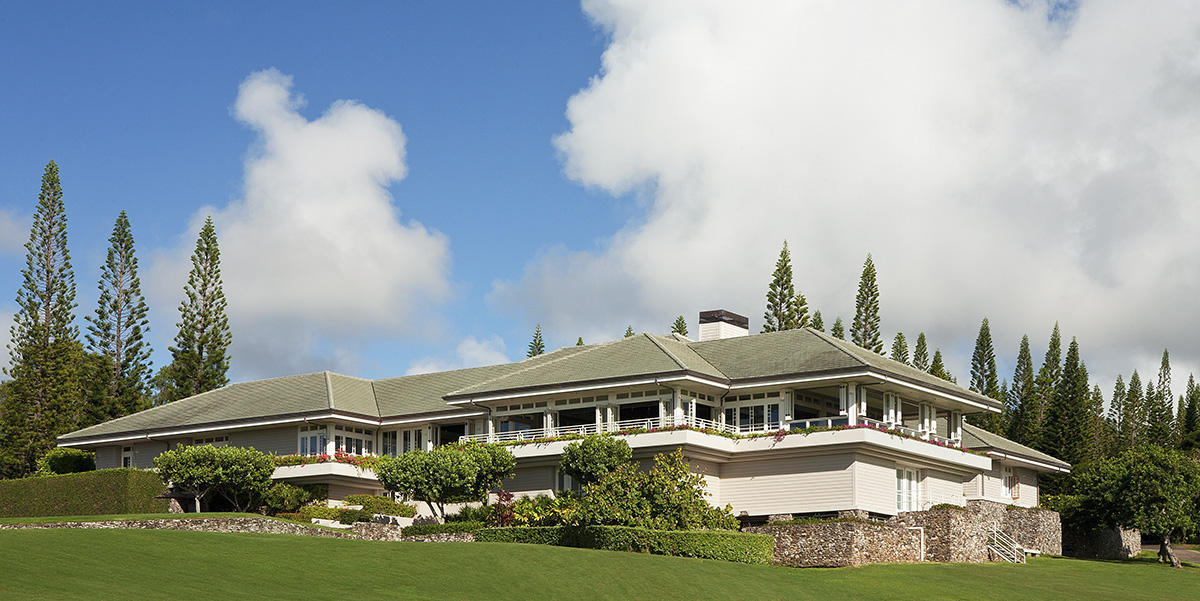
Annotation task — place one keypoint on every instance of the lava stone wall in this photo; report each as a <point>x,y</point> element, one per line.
<point>841,543</point>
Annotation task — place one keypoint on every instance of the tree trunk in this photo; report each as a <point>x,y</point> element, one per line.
<point>1166,554</point>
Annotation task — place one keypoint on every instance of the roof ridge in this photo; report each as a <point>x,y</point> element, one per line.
<point>585,349</point>
<point>827,339</point>
<point>328,390</point>
<point>664,349</point>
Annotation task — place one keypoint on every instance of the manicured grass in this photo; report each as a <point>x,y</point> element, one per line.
<point>98,564</point>
<point>126,517</point>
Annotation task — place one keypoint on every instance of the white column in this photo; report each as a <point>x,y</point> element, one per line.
<point>785,408</point>
<point>428,429</point>
<point>925,423</point>
<point>491,429</point>
<point>850,402</point>
<point>955,432</point>
<point>547,420</point>
<point>599,418</point>
<point>678,415</point>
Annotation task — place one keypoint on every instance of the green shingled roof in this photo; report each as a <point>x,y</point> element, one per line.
<point>979,439</point>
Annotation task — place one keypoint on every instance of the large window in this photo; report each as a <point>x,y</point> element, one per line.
<point>216,441</point>
<point>312,440</point>
<point>355,441</point>
<point>756,416</point>
<point>126,456</point>
<point>1012,484</point>
<point>908,496</point>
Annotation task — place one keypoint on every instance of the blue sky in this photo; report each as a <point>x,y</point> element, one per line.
<point>593,165</point>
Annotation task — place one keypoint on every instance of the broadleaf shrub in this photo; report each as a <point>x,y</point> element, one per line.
<point>282,497</point>
<point>349,516</point>
<point>705,544</point>
<point>381,505</point>
<point>420,529</point>
<point>64,460</point>
<point>99,492</point>
<point>320,512</point>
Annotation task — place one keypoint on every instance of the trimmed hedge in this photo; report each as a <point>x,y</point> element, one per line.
<point>420,529</point>
<point>375,504</point>
<point>102,492</point>
<point>705,544</point>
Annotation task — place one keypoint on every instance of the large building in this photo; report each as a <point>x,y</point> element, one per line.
<point>874,435</point>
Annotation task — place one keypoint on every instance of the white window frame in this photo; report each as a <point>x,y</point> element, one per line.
<point>304,440</point>
<point>1010,483</point>
<point>216,441</point>
<point>354,440</point>
<point>908,488</point>
<point>127,456</point>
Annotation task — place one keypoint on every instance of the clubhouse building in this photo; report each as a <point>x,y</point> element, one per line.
<point>871,434</point>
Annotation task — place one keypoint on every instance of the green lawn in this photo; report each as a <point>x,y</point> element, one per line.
<point>126,517</point>
<point>99,564</point>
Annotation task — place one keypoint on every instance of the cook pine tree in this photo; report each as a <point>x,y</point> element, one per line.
<point>680,326</point>
<point>786,309</point>
<point>864,330</point>
<point>200,354</point>
<point>117,332</point>
<point>43,398</point>
<point>920,356</point>
<point>984,379</point>
<point>536,346</point>
<point>900,348</point>
<point>1021,403</point>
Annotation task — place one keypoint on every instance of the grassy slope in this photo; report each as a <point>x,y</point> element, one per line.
<point>92,564</point>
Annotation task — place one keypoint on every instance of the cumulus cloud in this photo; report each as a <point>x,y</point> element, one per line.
<point>471,352</point>
<point>14,232</point>
<point>315,255</point>
<point>1013,160</point>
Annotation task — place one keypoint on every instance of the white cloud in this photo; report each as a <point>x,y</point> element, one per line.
<point>995,161</point>
<point>14,232</point>
<point>6,324</point>
<point>315,255</point>
<point>471,352</point>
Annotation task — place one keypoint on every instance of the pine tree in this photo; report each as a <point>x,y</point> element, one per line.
<point>628,331</point>
<point>680,326</point>
<point>817,323</point>
<point>920,357</point>
<point>865,330</point>
<point>44,397</point>
<point>118,330</point>
<point>983,379</point>
<point>1191,411</point>
<point>1101,432</point>
<point>536,347</point>
<point>838,330</point>
<point>786,309</point>
<point>200,355</point>
<point>900,348</point>
<point>1133,413</point>
<point>1022,401</point>
<point>1067,430</point>
<point>1047,380</point>
<point>1160,428</point>
<point>938,367</point>
<point>579,342</point>
<point>1116,409</point>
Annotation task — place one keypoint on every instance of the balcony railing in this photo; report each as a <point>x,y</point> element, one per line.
<point>655,423</point>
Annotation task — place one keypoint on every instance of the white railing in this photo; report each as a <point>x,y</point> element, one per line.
<point>655,423</point>
<point>1004,547</point>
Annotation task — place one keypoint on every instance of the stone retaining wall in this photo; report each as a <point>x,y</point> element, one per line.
<point>238,525</point>
<point>1035,529</point>
<point>387,532</point>
<point>1106,543</point>
<point>951,535</point>
<point>840,544</point>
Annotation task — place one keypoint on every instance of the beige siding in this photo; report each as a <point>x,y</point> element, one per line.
<point>875,484</point>
<point>941,487</point>
<point>712,478</point>
<point>145,452</point>
<point>108,457</point>
<point>531,481</point>
<point>337,492</point>
<point>1029,488</point>
<point>792,485</point>
<point>971,487</point>
<point>281,441</point>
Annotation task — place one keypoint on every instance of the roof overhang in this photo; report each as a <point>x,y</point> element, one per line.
<point>584,386</point>
<point>1041,466</point>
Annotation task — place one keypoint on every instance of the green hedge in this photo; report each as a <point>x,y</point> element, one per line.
<point>102,492</point>
<point>443,528</point>
<point>706,544</point>
<point>381,505</point>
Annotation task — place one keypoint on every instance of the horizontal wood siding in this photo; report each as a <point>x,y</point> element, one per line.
<point>145,452</point>
<point>875,484</point>
<point>712,478</point>
<point>941,487</point>
<point>337,492</point>
<point>1028,487</point>
<point>281,441</point>
<point>108,457</point>
<point>791,485</point>
<point>531,481</point>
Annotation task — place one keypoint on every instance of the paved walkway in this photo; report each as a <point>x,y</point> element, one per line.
<point>1183,554</point>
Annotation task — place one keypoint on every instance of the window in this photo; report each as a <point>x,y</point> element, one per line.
<point>313,440</point>
<point>907,490</point>
<point>355,441</point>
<point>1012,484</point>
<point>126,456</point>
<point>390,448</point>
<point>216,441</point>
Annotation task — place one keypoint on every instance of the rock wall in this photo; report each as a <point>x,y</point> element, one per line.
<point>238,525</point>
<point>841,543</point>
<point>388,532</point>
<point>1037,530</point>
<point>951,535</point>
<point>1106,543</point>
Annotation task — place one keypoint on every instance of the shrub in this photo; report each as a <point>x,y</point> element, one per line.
<point>349,516</point>
<point>98,492</point>
<point>418,530</point>
<point>590,459</point>
<point>320,512</point>
<point>447,474</point>
<point>374,504</point>
<point>706,544</point>
<point>239,475</point>
<point>62,460</point>
<point>282,497</point>
<point>295,517</point>
<point>469,513</point>
<point>668,497</point>
<point>544,510</point>
<point>950,506</point>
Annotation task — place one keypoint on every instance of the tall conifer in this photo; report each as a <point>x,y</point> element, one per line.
<point>786,309</point>
<point>1022,406</point>
<point>1067,431</point>
<point>900,348</point>
<point>984,379</point>
<point>628,331</point>
<point>1116,408</point>
<point>1160,429</point>
<point>117,331</point>
<point>817,323</point>
<point>1191,409</point>
<point>680,326</point>
<point>200,355</point>
<point>938,367</point>
<point>864,331</point>
<point>536,346</point>
<point>920,357</point>
<point>838,330</point>
<point>1047,379</point>
<point>1133,413</point>
<point>44,398</point>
